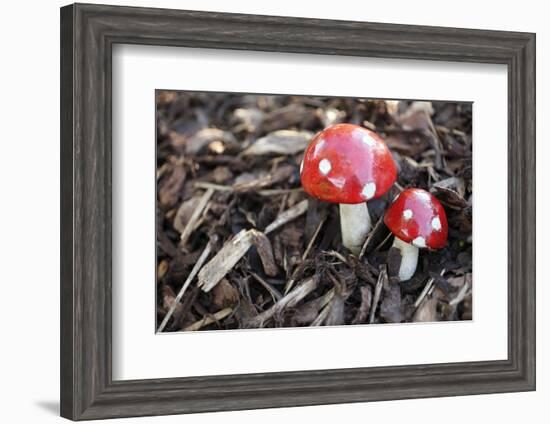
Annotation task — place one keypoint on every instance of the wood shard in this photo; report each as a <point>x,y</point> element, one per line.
<point>382,279</point>
<point>280,174</point>
<point>265,251</point>
<point>289,301</point>
<point>185,212</point>
<point>336,307</point>
<point>209,319</point>
<point>363,311</point>
<point>196,268</point>
<point>287,216</point>
<point>231,252</point>
<point>190,226</point>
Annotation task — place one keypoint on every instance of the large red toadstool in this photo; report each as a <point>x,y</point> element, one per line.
<point>349,165</point>
<point>417,220</point>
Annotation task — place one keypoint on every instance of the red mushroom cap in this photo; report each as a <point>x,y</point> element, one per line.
<point>417,217</point>
<point>347,163</point>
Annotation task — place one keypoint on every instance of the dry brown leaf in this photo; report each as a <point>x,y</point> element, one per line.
<point>390,306</point>
<point>224,294</point>
<point>221,174</point>
<point>206,136</point>
<point>280,174</point>
<point>162,269</point>
<point>427,311</point>
<point>449,198</point>
<point>169,298</point>
<point>407,144</point>
<point>249,119</point>
<point>184,212</point>
<point>336,312</point>
<point>170,186</point>
<point>417,117</point>
<point>287,116</point>
<point>453,183</point>
<point>363,312</point>
<point>282,142</point>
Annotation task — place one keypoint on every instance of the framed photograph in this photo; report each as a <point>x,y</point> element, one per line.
<point>265,212</point>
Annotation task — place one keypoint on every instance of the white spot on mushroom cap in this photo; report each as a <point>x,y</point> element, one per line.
<point>419,242</point>
<point>368,191</point>
<point>407,214</point>
<point>325,166</point>
<point>301,166</point>
<point>436,224</point>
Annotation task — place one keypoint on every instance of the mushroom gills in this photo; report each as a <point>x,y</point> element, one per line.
<point>409,258</point>
<point>355,224</point>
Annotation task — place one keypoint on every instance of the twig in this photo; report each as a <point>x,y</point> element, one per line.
<point>398,186</point>
<point>290,300</point>
<point>382,276</point>
<point>194,271</point>
<point>287,216</point>
<point>322,316</point>
<point>282,206</point>
<point>217,187</point>
<point>426,289</point>
<point>275,295</point>
<point>275,191</point>
<point>369,238</point>
<point>383,241</point>
<point>207,320</point>
<point>337,255</point>
<point>190,226</point>
<point>461,294</point>
<point>292,279</point>
<point>313,237</point>
<point>265,192</point>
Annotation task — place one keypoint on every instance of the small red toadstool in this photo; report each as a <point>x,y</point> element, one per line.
<point>417,220</point>
<point>349,165</point>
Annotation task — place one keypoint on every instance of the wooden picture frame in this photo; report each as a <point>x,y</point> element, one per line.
<point>88,33</point>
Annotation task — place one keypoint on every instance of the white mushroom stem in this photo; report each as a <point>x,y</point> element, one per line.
<point>355,224</point>
<point>409,258</point>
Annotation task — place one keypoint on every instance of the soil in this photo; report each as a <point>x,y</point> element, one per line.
<point>244,247</point>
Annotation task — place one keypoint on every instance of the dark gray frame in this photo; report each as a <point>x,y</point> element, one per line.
<point>88,33</point>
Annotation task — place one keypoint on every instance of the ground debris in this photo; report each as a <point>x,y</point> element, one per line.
<point>228,184</point>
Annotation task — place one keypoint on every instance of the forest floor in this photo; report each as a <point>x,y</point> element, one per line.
<point>241,245</point>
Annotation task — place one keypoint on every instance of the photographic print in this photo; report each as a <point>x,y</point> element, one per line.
<point>303,211</point>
